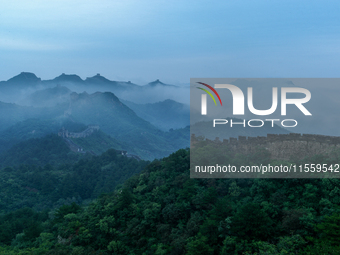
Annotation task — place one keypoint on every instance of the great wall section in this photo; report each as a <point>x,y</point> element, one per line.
<point>88,131</point>
<point>66,135</point>
<point>281,146</point>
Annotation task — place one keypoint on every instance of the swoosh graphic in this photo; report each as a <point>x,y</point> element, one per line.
<point>209,94</point>
<point>212,90</point>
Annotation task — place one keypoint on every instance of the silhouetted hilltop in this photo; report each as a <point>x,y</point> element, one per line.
<point>104,83</point>
<point>25,77</point>
<point>68,78</point>
<point>97,79</point>
<point>158,83</point>
<point>21,81</point>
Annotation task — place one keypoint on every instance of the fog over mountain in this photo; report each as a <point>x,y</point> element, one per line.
<point>21,86</point>
<point>164,115</point>
<point>29,90</point>
<point>47,97</point>
<point>43,107</point>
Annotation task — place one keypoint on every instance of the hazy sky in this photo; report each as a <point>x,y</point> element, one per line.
<point>142,41</point>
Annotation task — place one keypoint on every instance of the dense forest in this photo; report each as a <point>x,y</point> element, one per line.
<point>43,174</point>
<point>162,211</point>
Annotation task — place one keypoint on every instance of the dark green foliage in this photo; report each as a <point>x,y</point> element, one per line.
<point>251,223</point>
<point>64,210</point>
<point>199,246</point>
<point>90,178</point>
<point>24,221</point>
<point>49,186</point>
<point>24,130</point>
<point>330,229</point>
<point>163,211</point>
<point>39,151</point>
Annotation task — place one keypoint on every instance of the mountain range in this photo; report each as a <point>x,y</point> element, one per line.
<point>130,117</point>
<point>102,108</point>
<point>18,87</point>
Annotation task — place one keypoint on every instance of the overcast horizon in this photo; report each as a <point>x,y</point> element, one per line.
<point>169,40</point>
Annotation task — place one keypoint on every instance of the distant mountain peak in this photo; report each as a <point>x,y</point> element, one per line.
<point>156,82</point>
<point>68,78</point>
<point>25,77</point>
<point>159,83</point>
<point>98,78</point>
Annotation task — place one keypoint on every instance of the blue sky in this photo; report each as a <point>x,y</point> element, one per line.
<point>173,41</point>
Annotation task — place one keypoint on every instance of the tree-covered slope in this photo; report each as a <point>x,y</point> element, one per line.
<point>116,119</point>
<point>50,149</point>
<point>28,129</point>
<point>47,186</point>
<point>98,142</point>
<point>163,211</point>
<point>128,131</point>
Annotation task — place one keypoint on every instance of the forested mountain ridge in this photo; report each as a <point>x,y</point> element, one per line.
<point>163,211</point>
<point>46,178</point>
<point>101,108</point>
<point>119,121</point>
<point>95,142</point>
<point>50,149</point>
